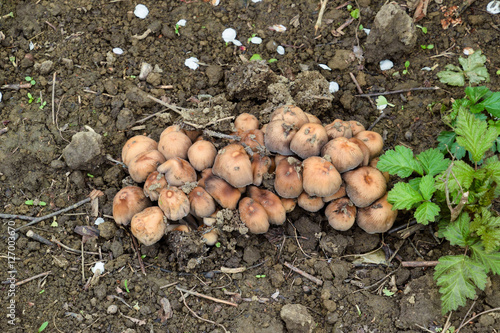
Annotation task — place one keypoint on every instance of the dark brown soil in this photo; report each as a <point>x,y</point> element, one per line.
<point>97,90</point>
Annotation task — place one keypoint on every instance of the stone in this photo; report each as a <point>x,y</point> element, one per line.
<point>84,151</point>
<point>125,119</point>
<point>297,319</point>
<point>107,229</point>
<point>45,67</point>
<point>214,74</point>
<point>341,60</point>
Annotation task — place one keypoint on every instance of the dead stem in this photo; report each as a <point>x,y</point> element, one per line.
<point>419,263</point>
<point>304,274</point>
<point>353,78</point>
<point>200,318</point>
<point>398,91</point>
<point>194,293</point>
<point>320,15</point>
<point>33,278</point>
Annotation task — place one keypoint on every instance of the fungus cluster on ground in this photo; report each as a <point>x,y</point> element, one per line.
<point>313,166</point>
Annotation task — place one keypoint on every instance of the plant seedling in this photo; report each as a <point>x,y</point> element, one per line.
<point>43,326</point>
<point>177,29</point>
<point>387,292</point>
<point>35,203</point>
<point>472,68</point>
<point>382,103</point>
<point>42,105</point>
<point>125,284</point>
<point>424,29</point>
<point>407,65</point>
<point>217,244</point>
<point>260,276</point>
<point>30,80</point>
<point>272,60</point>
<point>31,98</point>
<point>355,13</point>
<point>255,57</point>
<point>427,47</point>
<point>12,59</point>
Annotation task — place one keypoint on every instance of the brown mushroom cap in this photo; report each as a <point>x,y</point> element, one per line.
<point>373,164</point>
<point>136,145</point>
<point>320,178</point>
<point>339,194</point>
<point>312,118</point>
<point>129,201</point>
<point>344,155</point>
<point>271,202</point>
<point>177,171</point>
<point>260,166</point>
<point>288,179</point>
<point>145,163</point>
<point>373,141</point>
<point>252,138</point>
<point>202,154</point>
<point>210,238</point>
<point>364,149</point>
<point>356,127</point>
<point>310,203</point>
<point>203,176</point>
<point>364,185</point>
<point>232,164</point>
<point>225,195</point>
<point>174,203</point>
<point>291,114</point>
<point>309,140</point>
<point>278,136</point>
<point>341,214</point>
<point>378,217</point>
<point>254,216</point>
<point>289,204</point>
<point>174,144</point>
<point>246,121</point>
<point>153,185</point>
<point>170,129</point>
<point>149,225</point>
<point>202,204</point>
<point>338,128</point>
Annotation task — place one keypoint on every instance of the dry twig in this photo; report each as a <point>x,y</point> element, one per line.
<point>398,91</point>
<point>304,274</point>
<point>194,293</point>
<point>320,15</point>
<point>194,313</point>
<point>33,278</point>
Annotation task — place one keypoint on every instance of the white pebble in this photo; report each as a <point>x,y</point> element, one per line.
<point>280,49</point>
<point>386,65</point>
<point>427,69</point>
<point>255,1</point>
<point>98,268</point>
<point>181,23</point>
<point>99,220</point>
<point>256,40</point>
<point>112,309</point>
<point>117,50</point>
<point>192,63</point>
<point>324,67</point>
<point>334,87</point>
<point>367,31</point>
<point>493,7</point>
<point>278,28</point>
<point>229,35</point>
<point>1,96</point>
<point>236,42</point>
<point>468,50</point>
<point>141,11</point>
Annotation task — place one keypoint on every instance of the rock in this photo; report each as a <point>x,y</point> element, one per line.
<point>110,87</point>
<point>393,33</point>
<point>68,63</point>
<point>140,97</point>
<point>45,67</point>
<point>154,79</point>
<point>492,291</point>
<point>26,62</point>
<point>341,60</point>
<point>145,70</point>
<point>251,255</point>
<point>107,230</point>
<point>214,74</point>
<point>84,152</point>
<point>117,249</point>
<point>306,89</point>
<point>297,318</point>
<point>125,119</point>
<point>112,309</point>
<point>249,81</point>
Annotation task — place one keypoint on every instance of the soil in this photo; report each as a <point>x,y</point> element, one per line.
<point>88,88</point>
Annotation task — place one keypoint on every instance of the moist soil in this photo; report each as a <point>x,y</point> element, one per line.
<point>66,47</point>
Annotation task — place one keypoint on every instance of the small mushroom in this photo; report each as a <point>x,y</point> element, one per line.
<point>253,215</point>
<point>309,140</point>
<point>129,201</point>
<point>202,154</point>
<point>338,128</point>
<point>153,185</point>
<point>364,149</point>
<point>145,163</point>
<point>136,145</point>
<point>378,217</point>
<point>364,185</point>
<point>225,195</point>
<point>203,176</point>
<point>271,202</point>
<point>149,225</point>
<point>260,166</point>
<point>210,238</point>
<point>344,155</point>
<point>289,204</point>
<point>288,179</point>
<point>252,138</point>
<point>174,203</point>
<point>341,214</point>
<point>278,136</point>
<point>201,203</point>
<point>373,141</point>
<point>291,114</point>
<point>339,194</point>
<point>177,171</point>
<point>233,165</point>
<point>320,178</point>
<point>174,144</point>
<point>356,127</point>
<point>373,164</point>
<point>312,118</point>
<point>310,203</point>
<point>246,121</point>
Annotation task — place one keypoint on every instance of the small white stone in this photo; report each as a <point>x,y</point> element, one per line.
<point>181,23</point>
<point>334,87</point>
<point>255,1</point>
<point>278,28</point>
<point>192,63</point>
<point>229,35</point>
<point>32,46</point>
<point>256,40</point>
<point>493,7</point>
<point>324,67</point>
<point>99,266</point>
<point>117,50</point>
<point>99,220</point>
<point>141,11</point>
<point>428,69</point>
<point>367,31</point>
<point>280,49</point>
<point>386,65</point>
<point>236,42</point>
<point>468,50</point>
<point>1,96</point>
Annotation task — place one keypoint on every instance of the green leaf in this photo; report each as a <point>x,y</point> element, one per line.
<point>255,57</point>
<point>492,104</point>
<point>29,202</point>
<point>476,93</point>
<point>458,232</point>
<point>445,139</point>
<point>427,212</point>
<point>43,326</point>
<point>403,196</point>
<point>474,135</point>
<point>387,292</point>
<point>461,172</point>
<point>433,161</point>
<point>426,187</point>
<point>399,161</point>
<point>487,227</point>
<point>452,75</point>
<point>491,261</point>
<point>474,67</point>
<point>415,183</point>
<point>458,277</point>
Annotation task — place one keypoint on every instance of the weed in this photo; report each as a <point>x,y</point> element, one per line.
<point>427,47</point>
<point>407,65</point>
<point>125,284</point>
<point>35,202</point>
<point>30,98</point>
<point>12,59</point>
<point>424,29</point>
<point>30,80</point>
<point>260,276</point>
<point>43,326</point>
<point>472,68</point>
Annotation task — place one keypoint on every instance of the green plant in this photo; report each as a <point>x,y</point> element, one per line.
<point>407,65</point>
<point>424,29</point>
<point>12,59</point>
<point>473,69</point>
<point>260,276</point>
<point>30,80</point>
<point>125,284</point>
<point>497,72</point>
<point>457,195</point>
<point>43,326</point>
<point>30,98</point>
<point>42,105</point>
<point>355,13</point>
<point>382,103</point>
<point>177,26</point>
<point>35,202</point>
<point>427,47</point>
<point>255,57</point>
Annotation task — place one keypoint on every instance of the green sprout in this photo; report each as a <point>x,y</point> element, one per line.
<point>30,80</point>
<point>143,256</point>
<point>407,65</point>
<point>498,72</point>
<point>355,13</point>
<point>361,27</point>
<point>90,175</point>
<point>256,57</point>
<point>427,47</point>
<point>12,59</point>
<point>382,103</point>
<point>260,276</point>
<point>43,326</point>
<point>41,291</point>
<point>42,105</point>
<point>177,26</point>
<point>387,292</point>
<point>35,203</point>
<point>359,310</point>
<point>272,60</point>
<point>125,284</point>
<point>31,98</point>
<point>424,29</point>
<point>349,7</point>
<point>217,244</point>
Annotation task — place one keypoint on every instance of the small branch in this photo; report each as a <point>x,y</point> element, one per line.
<point>33,278</point>
<point>194,293</point>
<point>200,318</point>
<point>221,135</point>
<point>18,217</point>
<point>31,234</point>
<point>397,91</point>
<point>353,78</point>
<point>139,257</point>
<point>170,106</point>
<point>17,86</point>
<point>320,15</point>
<point>304,274</point>
<point>54,240</point>
<point>53,97</point>
<point>419,263</point>
<point>379,118</point>
<point>479,314</point>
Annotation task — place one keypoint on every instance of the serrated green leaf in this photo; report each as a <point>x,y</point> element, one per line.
<point>491,261</point>
<point>451,78</point>
<point>403,196</point>
<point>475,60</point>
<point>458,277</point>
<point>458,231</point>
<point>476,93</point>
<point>478,75</point>
<point>399,162</point>
<point>474,135</point>
<point>433,161</point>
<point>415,183</point>
<point>461,172</point>
<point>445,139</point>
<point>492,104</point>
<point>487,227</point>
<point>426,187</point>
<point>427,212</point>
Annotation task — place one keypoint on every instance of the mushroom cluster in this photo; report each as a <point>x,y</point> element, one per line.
<point>313,165</point>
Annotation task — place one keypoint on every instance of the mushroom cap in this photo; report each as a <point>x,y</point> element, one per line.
<point>364,185</point>
<point>203,176</point>
<point>289,204</point>
<point>202,154</point>
<point>291,114</point>
<point>271,202</point>
<point>373,141</point>
<point>174,203</point>
<point>288,179</point>
<point>149,225</point>
<point>202,204</point>
<point>312,118</point>
<point>225,195</point>
<point>170,129</point>
<point>253,215</point>
<point>309,140</point>
<point>136,145</point>
<point>145,163</point>
<point>320,178</point>
<point>338,128</point>
<point>177,171</point>
<point>232,164</point>
<point>153,185</point>
<point>344,155</point>
<point>246,121</point>
<point>341,214</point>
<point>364,149</point>
<point>278,136</point>
<point>339,194</point>
<point>174,144</point>
<point>373,164</point>
<point>210,238</point>
<point>378,217</point>
<point>252,138</point>
<point>310,203</point>
<point>260,166</point>
<point>129,201</point>
<point>356,127</point>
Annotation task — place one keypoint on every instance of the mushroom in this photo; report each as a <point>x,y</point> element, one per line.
<point>309,140</point>
<point>271,202</point>
<point>246,121</point>
<point>260,166</point>
<point>129,201</point>
<point>202,154</point>
<point>233,165</point>
<point>174,203</point>
<point>312,118</point>
<point>252,138</point>
<point>201,203</point>
<point>145,163</point>
<point>338,128</point>
<point>291,114</point>
<point>289,204</point>
<point>149,225</point>
<point>288,179</point>
<point>356,127</point>
<point>153,185</point>
<point>344,155</point>
<point>174,144</point>
<point>178,227</point>
<point>364,185</point>
<point>278,136</point>
<point>339,194</point>
<point>341,214</point>
<point>320,178</point>
<point>373,141</point>
<point>225,195</point>
<point>170,129</point>
<point>373,164</point>
<point>310,203</point>
<point>203,176</point>
<point>177,171</point>
<point>364,149</point>
<point>210,238</point>
<point>378,217</point>
<point>136,145</point>
<point>253,215</point>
